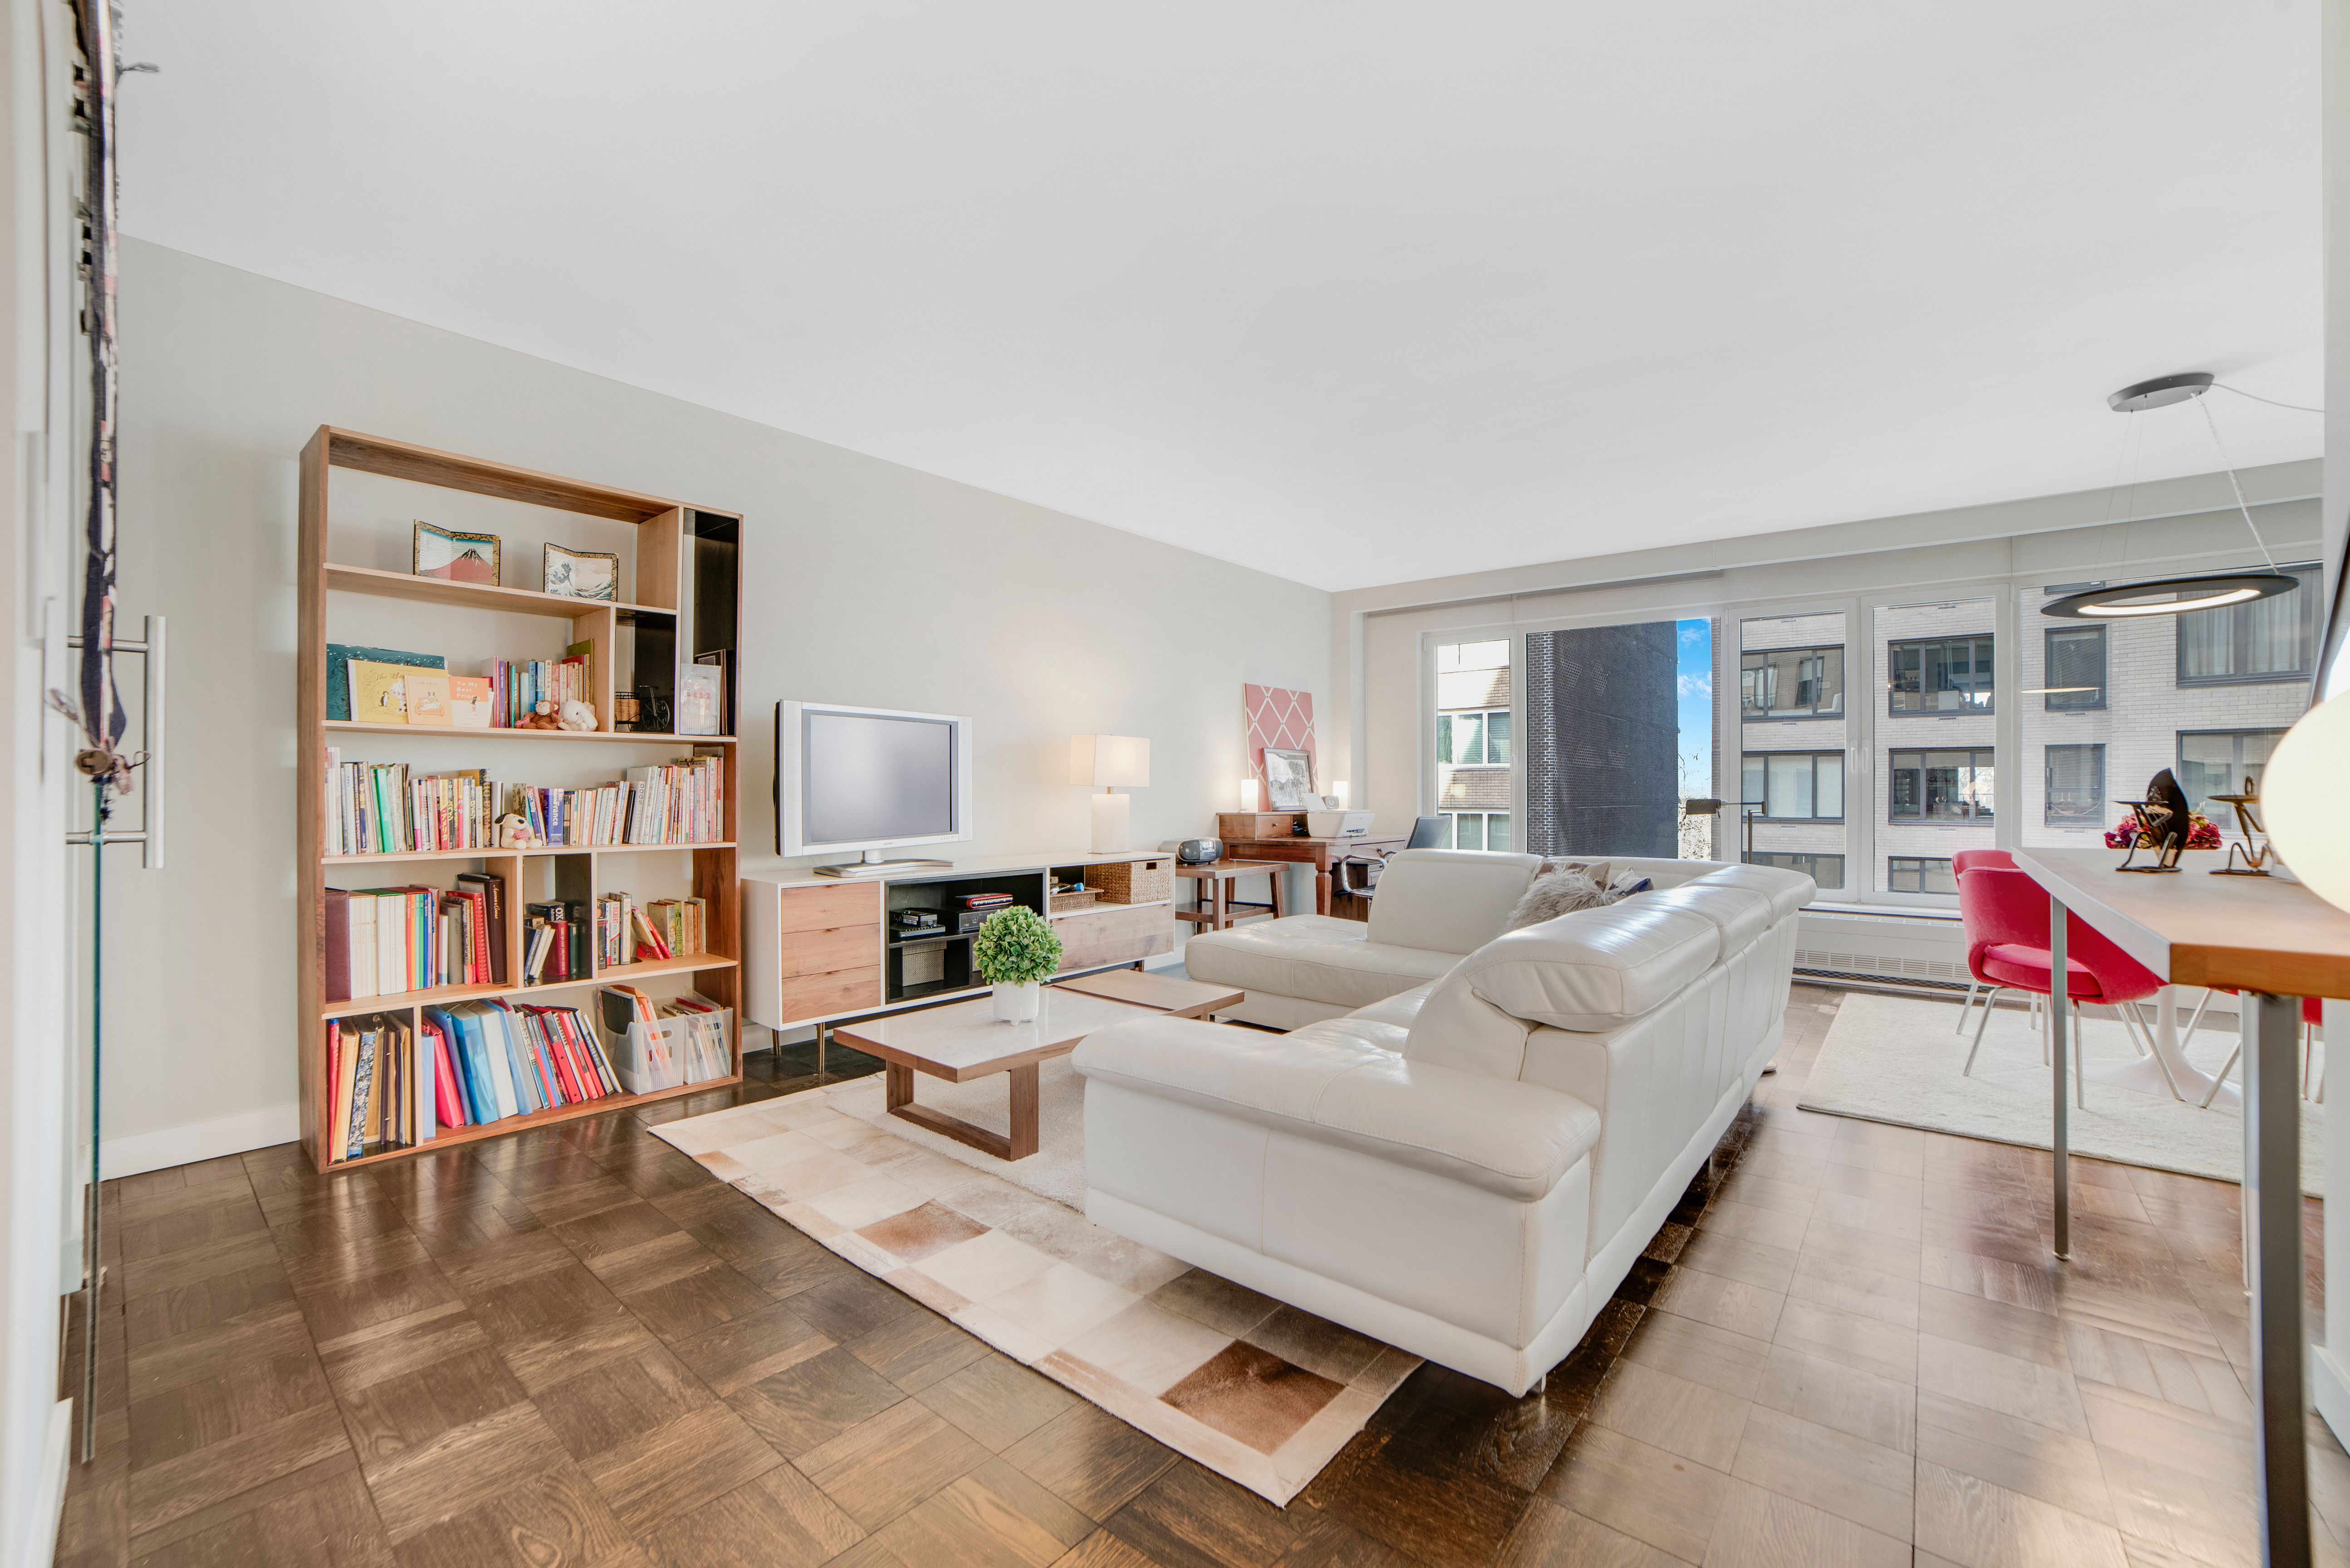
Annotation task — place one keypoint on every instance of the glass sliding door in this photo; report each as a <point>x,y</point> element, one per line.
<point>1791,727</point>
<point>1618,729</point>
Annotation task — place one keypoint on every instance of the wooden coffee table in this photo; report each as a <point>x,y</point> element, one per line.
<point>966,1040</point>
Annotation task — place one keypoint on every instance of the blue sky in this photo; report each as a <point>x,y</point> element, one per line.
<point>1695,683</point>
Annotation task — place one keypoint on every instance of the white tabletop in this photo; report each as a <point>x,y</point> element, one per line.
<point>967,1036</point>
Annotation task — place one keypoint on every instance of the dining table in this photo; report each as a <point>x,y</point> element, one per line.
<point>2271,942</point>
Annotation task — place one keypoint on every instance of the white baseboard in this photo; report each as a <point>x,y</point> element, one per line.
<point>2329,1391</point>
<point>48,1503</point>
<point>143,1152</point>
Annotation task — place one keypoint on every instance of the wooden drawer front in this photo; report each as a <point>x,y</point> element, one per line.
<point>842,991</point>
<point>826,952</point>
<point>823,909</point>
<point>1115,936</point>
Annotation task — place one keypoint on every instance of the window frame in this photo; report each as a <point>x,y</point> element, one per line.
<point>1838,856</point>
<point>1893,694</point>
<point>1920,862</point>
<point>1484,828</point>
<point>2178,754</point>
<point>1920,817</point>
<point>1795,715</point>
<point>2048,786</point>
<point>2312,582</point>
<point>1484,734</point>
<point>1815,753</point>
<point>2048,700</point>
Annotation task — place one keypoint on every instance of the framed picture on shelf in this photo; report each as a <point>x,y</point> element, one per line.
<point>699,691</point>
<point>459,557</point>
<point>581,573</point>
<point>1289,780</point>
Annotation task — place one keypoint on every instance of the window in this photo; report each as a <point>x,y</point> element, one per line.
<point>2217,761</point>
<point>2267,639</point>
<point>1945,675</point>
<point>1795,786</point>
<point>1792,683</point>
<point>2075,674</point>
<point>1940,787</point>
<point>1916,873</point>
<point>1473,740</point>
<point>1828,870</point>
<point>2076,786</point>
<point>1476,830</point>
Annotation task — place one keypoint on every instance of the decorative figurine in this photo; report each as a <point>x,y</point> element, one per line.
<point>2256,861</point>
<point>2164,821</point>
<point>513,833</point>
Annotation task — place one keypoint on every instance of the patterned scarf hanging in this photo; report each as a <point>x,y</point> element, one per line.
<point>101,716</point>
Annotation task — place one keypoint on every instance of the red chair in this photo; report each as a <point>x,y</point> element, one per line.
<point>2006,915</point>
<point>1964,861</point>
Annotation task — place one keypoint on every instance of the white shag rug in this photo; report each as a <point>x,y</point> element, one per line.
<point>1894,1059</point>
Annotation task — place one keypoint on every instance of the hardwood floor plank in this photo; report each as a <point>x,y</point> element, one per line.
<point>331,1520</point>
<point>779,1518</point>
<point>1551,1537</point>
<point>1763,1528</point>
<point>1972,1523</point>
<point>880,1468</point>
<point>991,1515</point>
<point>1871,1485</point>
<point>176,1486</point>
<point>996,1400</point>
<point>1671,1413</point>
<point>1089,1460</point>
<point>1644,1493</point>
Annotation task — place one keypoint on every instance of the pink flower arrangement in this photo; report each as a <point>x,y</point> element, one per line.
<point>2201,834</point>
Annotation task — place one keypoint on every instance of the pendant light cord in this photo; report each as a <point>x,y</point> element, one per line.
<point>2271,402</point>
<point>2230,463</point>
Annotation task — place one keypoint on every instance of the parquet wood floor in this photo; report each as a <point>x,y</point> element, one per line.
<point>1848,1346</point>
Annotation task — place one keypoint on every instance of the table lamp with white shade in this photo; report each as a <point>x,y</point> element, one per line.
<point>1109,761</point>
<point>2301,800</point>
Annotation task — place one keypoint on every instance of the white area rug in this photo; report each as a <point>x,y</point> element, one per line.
<point>1894,1059</point>
<point>1257,1391</point>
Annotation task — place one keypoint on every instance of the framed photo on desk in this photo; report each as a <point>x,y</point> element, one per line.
<point>1289,780</point>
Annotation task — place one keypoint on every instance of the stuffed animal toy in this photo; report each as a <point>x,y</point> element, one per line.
<point>576,715</point>
<point>513,833</point>
<point>544,719</point>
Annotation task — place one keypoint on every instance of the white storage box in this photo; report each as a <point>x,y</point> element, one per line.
<point>669,1052</point>
<point>1338,824</point>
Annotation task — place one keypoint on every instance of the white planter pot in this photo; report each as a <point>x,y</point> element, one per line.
<point>1018,1004</point>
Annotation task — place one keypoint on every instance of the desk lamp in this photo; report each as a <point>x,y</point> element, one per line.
<point>1109,761</point>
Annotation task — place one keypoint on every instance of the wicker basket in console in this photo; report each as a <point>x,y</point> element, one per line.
<point>1133,881</point>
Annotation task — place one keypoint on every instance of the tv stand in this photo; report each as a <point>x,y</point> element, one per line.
<point>821,945</point>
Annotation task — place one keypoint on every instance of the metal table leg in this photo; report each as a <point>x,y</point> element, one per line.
<point>2059,1017</point>
<point>2271,1030</point>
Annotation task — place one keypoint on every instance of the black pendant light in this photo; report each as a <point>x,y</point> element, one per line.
<point>2177,596</point>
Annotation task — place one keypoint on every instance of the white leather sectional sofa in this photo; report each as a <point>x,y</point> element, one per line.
<point>1466,1161</point>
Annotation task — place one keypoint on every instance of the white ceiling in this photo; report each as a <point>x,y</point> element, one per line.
<point>1355,293</point>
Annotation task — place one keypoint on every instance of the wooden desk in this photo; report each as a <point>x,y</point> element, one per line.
<point>2275,942</point>
<point>1319,853</point>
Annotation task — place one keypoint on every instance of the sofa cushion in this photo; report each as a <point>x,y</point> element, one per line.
<point>1401,1009</point>
<point>1787,891</point>
<point>1313,957</point>
<point>1448,900</point>
<point>1342,1081</point>
<point>1590,971</point>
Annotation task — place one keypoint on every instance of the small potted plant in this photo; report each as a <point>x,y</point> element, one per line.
<point>1015,951</point>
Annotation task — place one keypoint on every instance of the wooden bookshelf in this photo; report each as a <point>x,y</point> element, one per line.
<point>687,580</point>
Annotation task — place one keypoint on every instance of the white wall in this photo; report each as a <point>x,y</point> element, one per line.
<point>865,582</point>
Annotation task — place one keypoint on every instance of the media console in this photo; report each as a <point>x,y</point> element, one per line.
<point>817,949</point>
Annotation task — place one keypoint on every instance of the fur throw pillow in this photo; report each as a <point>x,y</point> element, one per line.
<point>1567,889</point>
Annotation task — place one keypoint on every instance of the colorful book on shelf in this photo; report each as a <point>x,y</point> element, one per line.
<point>385,1092</point>
<point>492,890</point>
<point>340,656</point>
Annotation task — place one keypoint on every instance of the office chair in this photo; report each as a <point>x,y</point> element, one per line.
<point>1425,832</point>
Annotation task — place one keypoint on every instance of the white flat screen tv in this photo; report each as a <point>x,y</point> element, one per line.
<point>869,779</point>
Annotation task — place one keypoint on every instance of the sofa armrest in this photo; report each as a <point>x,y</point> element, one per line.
<point>1330,1083</point>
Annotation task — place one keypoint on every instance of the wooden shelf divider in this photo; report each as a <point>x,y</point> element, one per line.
<point>677,544</point>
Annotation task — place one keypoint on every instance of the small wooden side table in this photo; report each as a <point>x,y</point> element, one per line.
<point>1214,907</point>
